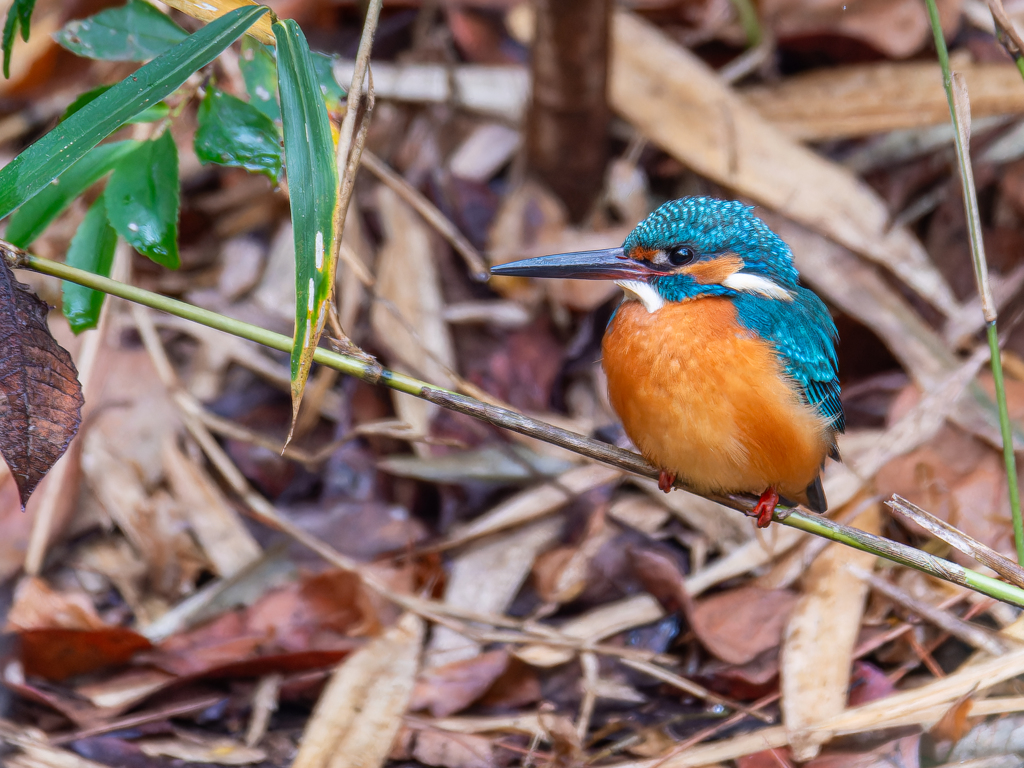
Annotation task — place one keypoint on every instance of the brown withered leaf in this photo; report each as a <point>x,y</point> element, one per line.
<point>739,624</point>
<point>57,654</point>
<point>452,687</point>
<point>40,397</point>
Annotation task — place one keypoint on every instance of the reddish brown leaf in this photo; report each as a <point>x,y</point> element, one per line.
<point>739,624</point>
<point>867,683</point>
<point>40,397</point>
<point>447,689</point>
<point>57,654</point>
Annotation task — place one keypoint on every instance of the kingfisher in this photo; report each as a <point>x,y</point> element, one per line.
<point>721,367</point>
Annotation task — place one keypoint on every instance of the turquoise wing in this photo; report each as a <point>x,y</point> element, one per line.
<point>804,335</point>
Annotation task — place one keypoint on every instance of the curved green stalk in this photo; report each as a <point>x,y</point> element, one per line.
<point>372,372</point>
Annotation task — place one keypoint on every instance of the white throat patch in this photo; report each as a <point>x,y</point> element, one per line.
<point>746,282</point>
<point>643,292</point>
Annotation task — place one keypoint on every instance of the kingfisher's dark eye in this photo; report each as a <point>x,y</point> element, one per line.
<point>680,255</point>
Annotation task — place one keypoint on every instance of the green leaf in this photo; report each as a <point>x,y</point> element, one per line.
<point>332,92</point>
<point>35,216</point>
<point>158,111</point>
<point>92,249</point>
<point>134,32</point>
<point>313,191</point>
<point>58,150</point>
<point>232,132</point>
<point>259,70</point>
<point>142,200</point>
<point>18,15</point>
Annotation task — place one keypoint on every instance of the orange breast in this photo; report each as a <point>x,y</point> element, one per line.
<point>701,397</point>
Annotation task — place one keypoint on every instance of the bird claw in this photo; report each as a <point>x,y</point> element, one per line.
<point>666,480</point>
<point>765,507</point>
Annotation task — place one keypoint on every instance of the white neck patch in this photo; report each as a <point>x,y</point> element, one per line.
<point>643,292</point>
<point>746,282</point>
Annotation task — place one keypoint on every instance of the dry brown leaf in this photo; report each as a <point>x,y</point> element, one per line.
<point>447,689</point>
<point>219,750</point>
<point>560,575</point>
<point>37,606</point>
<point>535,502</point>
<point>817,651</point>
<point>484,577</point>
<point>222,535</point>
<point>407,314</point>
<point>858,100</point>
<point>897,28</point>
<point>681,105</point>
<point>453,750</point>
<point>595,625</point>
<point>740,624</point>
<point>360,711</point>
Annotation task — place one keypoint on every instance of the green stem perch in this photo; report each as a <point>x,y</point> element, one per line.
<point>960,115</point>
<point>628,461</point>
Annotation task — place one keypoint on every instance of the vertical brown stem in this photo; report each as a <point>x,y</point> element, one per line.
<point>566,133</point>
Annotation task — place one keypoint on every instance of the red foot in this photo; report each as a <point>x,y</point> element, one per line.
<point>666,480</point>
<point>765,508</point>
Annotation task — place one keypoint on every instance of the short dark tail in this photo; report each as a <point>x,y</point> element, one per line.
<point>816,500</point>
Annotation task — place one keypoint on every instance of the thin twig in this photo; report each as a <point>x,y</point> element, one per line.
<point>957,539</point>
<point>430,212</point>
<point>349,149</point>
<point>960,114</point>
<point>372,373</point>
<point>975,636</point>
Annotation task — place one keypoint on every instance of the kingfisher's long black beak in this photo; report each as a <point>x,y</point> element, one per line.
<point>607,264</point>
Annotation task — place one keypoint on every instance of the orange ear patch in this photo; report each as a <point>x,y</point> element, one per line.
<point>714,271</point>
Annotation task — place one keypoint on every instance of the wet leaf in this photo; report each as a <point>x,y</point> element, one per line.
<point>142,200</point>
<point>313,190</point>
<point>259,70</point>
<point>330,89</point>
<point>135,31</point>
<point>31,171</point>
<point>31,220</point>
<point>19,14</point>
<point>232,132</point>
<point>91,249</point>
<point>40,397</point>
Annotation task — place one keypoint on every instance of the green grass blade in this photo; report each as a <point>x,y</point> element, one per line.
<point>29,221</point>
<point>30,172</point>
<point>91,249</point>
<point>313,190</point>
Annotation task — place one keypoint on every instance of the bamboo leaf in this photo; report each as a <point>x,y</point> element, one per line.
<point>18,15</point>
<point>142,200</point>
<point>259,70</point>
<point>313,190</point>
<point>135,31</point>
<point>30,172</point>
<point>158,111</point>
<point>91,249</point>
<point>35,216</point>
<point>233,132</point>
